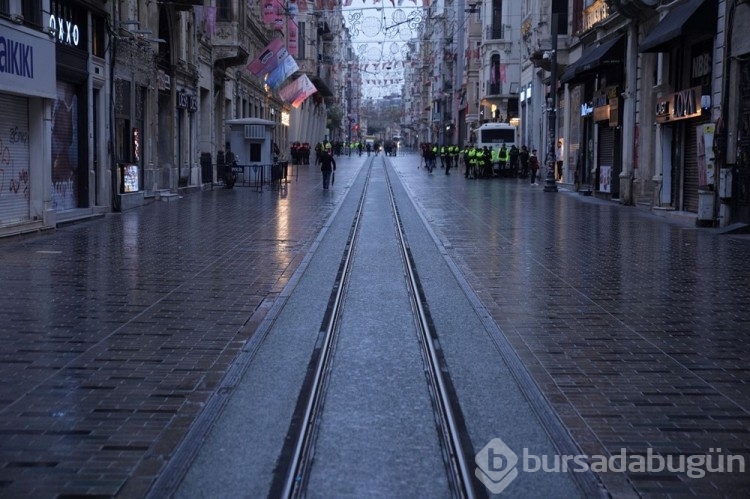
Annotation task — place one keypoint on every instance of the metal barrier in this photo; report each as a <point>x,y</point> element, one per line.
<point>258,175</point>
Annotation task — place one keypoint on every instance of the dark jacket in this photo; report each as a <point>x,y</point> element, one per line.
<point>327,163</point>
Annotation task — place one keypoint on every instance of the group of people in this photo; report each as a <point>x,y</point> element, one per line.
<point>448,154</point>
<point>482,162</point>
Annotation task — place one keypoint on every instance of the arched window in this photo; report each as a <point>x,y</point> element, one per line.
<point>495,86</point>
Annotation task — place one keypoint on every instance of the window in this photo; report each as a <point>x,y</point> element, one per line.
<point>560,7</point>
<point>4,8</point>
<point>496,29</point>
<point>223,10</point>
<point>32,12</point>
<point>255,152</point>
<point>98,41</point>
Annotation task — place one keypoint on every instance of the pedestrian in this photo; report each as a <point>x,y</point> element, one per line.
<point>513,158</point>
<point>559,161</point>
<point>534,166</point>
<point>327,165</point>
<point>523,158</point>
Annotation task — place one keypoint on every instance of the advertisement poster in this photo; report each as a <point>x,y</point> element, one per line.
<point>705,141</point>
<point>291,30</point>
<point>130,178</point>
<point>605,179</point>
<point>273,14</point>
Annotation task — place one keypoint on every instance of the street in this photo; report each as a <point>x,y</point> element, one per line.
<point>120,330</point>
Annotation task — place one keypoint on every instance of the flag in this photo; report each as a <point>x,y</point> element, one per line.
<point>270,57</point>
<point>284,70</point>
<point>297,91</point>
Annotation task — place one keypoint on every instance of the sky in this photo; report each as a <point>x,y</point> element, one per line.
<point>379,35</point>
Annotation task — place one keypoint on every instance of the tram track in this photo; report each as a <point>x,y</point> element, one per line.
<point>291,478</point>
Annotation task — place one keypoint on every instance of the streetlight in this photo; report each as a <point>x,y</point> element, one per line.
<point>549,183</point>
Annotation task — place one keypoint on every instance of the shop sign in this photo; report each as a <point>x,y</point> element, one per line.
<point>595,14</point>
<point>614,112</point>
<point>601,113</point>
<point>587,109</point>
<point>681,105</point>
<point>186,101</point>
<point>27,64</point>
<point>66,31</point>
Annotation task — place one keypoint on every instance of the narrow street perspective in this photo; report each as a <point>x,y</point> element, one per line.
<point>166,346</point>
<point>338,249</point>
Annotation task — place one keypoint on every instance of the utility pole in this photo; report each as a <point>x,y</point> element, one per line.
<point>549,184</point>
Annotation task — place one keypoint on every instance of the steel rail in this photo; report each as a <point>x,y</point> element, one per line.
<point>296,477</point>
<point>459,469</point>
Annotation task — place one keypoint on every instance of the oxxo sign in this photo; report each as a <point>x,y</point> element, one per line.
<point>67,31</point>
<point>679,105</point>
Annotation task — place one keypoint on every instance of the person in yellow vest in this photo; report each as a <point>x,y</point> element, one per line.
<point>495,160</point>
<point>472,168</point>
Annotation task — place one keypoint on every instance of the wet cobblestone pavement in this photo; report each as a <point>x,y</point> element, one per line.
<point>117,330</point>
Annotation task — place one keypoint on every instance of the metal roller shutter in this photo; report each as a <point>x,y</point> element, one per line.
<point>605,152</point>
<point>690,170</point>
<point>14,160</point>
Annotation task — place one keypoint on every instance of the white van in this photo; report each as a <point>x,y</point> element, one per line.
<point>496,134</point>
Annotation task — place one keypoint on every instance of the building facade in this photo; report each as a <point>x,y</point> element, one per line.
<point>111,102</point>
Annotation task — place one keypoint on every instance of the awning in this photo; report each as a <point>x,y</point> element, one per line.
<point>604,55</point>
<point>695,17</point>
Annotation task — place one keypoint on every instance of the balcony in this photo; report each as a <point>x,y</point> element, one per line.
<point>494,33</point>
<point>494,89</point>
<point>230,44</point>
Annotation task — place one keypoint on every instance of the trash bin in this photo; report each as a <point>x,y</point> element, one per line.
<point>705,206</point>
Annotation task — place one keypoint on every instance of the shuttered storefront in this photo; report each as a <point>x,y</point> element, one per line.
<point>690,169</point>
<point>606,157</point>
<point>14,160</point>
<point>65,145</point>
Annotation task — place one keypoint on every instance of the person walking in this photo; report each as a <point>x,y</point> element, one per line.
<point>513,158</point>
<point>533,166</point>
<point>523,158</point>
<point>327,165</point>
